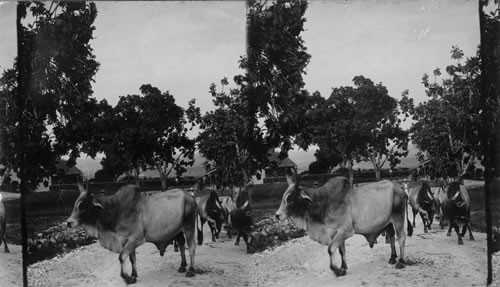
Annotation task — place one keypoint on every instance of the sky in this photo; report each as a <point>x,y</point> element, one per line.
<point>183,47</point>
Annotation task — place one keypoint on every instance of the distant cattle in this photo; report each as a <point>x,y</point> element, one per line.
<point>210,210</point>
<point>335,211</point>
<point>125,220</point>
<point>456,208</point>
<point>228,204</point>
<point>3,224</point>
<point>241,218</point>
<point>440,196</point>
<point>422,202</point>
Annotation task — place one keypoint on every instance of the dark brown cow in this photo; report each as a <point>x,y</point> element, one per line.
<point>127,219</point>
<point>241,218</point>
<point>422,202</point>
<point>456,208</point>
<point>3,223</point>
<point>334,212</point>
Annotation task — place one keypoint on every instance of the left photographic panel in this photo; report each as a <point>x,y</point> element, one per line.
<point>11,266</point>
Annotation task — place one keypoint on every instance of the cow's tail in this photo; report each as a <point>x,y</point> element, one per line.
<point>408,223</point>
<point>198,229</point>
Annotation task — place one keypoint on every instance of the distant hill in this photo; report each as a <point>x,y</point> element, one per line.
<point>301,158</point>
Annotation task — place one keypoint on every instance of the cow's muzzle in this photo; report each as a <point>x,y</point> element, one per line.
<point>68,224</point>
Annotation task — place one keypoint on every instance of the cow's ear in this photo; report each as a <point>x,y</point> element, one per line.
<point>96,203</point>
<point>306,197</point>
<point>291,178</point>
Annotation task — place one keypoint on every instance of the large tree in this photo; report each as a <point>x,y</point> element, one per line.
<point>359,122</point>
<point>272,95</point>
<point>8,90</point>
<point>222,142</point>
<point>447,126</point>
<point>144,131</point>
<point>56,64</point>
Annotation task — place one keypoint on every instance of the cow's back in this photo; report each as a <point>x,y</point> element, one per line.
<point>372,205</point>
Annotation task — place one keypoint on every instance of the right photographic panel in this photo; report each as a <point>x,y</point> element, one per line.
<point>398,99</point>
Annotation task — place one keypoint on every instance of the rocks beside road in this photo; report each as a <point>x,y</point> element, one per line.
<point>56,240</point>
<point>269,233</point>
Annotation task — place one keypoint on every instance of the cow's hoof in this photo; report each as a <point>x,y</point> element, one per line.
<point>400,265</point>
<point>182,269</point>
<point>236,243</point>
<point>190,272</point>
<point>213,239</point>
<point>340,272</point>
<point>392,260</point>
<point>130,280</point>
<point>460,241</point>
<point>448,234</point>
<point>471,238</point>
<point>176,249</point>
<point>7,250</point>
<point>426,231</point>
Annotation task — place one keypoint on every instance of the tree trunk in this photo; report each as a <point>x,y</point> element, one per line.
<point>350,172</point>
<point>378,173</point>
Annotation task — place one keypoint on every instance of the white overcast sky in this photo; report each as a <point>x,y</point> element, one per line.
<point>182,47</point>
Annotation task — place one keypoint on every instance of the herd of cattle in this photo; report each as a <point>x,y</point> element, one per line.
<point>330,214</point>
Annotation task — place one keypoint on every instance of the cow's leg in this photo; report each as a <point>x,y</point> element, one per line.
<point>128,249</point>
<point>449,230</point>
<point>399,227</point>
<point>414,214</point>
<point>237,242</point>
<point>391,235</point>
<point>342,256</point>
<point>181,242</point>
<point>191,243</point>
<point>424,221</point>
<point>338,240</point>
<point>471,237</point>
<point>134,265</point>
<point>464,230</point>
<point>6,248</point>
<point>213,230</point>
<point>457,230</point>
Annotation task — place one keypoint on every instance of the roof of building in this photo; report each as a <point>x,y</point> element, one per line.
<point>286,162</point>
<point>61,165</point>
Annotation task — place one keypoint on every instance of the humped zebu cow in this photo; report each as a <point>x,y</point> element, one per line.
<point>127,219</point>
<point>422,202</point>
<point>456,208</point>
<point>3,225</point>
<point>210,210</point>
<point>335,211</point>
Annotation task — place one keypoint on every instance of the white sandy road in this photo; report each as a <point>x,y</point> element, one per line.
<point>11,267</point>
<point>434,260</point>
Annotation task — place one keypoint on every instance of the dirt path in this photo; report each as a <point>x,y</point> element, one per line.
<point>433,260</point>
<point>221,264</point>
<point>11,267</point>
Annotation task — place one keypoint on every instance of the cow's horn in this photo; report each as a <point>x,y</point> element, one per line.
<point>81,188</point>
